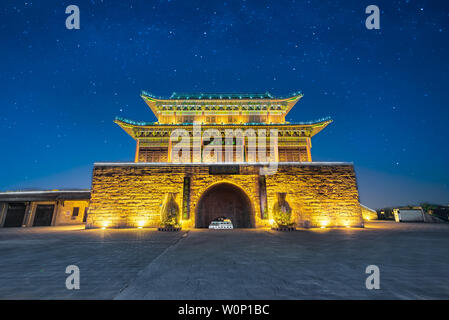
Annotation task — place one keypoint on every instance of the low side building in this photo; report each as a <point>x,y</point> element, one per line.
<point>415,214</point>
<point>408,214</point>
<point>43,208</point>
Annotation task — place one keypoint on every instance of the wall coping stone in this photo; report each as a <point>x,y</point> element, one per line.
<point>202,164</point>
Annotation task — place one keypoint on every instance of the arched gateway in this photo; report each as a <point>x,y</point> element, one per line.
<point>224,200</point>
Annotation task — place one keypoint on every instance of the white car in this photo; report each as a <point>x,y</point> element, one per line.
<point>221,224</point>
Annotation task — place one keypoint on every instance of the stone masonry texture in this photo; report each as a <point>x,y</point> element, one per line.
<point>128,195</point>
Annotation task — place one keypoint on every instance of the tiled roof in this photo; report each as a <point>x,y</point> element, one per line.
<point>220,96</point>
<point>145,123</point>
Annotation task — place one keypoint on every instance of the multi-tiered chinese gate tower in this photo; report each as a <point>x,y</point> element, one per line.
<point>131,194</point>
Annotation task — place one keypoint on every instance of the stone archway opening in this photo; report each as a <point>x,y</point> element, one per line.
<point>224,200</point>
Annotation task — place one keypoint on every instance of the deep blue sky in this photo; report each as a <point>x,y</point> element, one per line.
<point>387,90</point>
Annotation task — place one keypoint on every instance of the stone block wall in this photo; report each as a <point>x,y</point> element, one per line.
<point>131,195</point>
<point>65,212</point>
<point>319,194</point>
<point>368,214</point>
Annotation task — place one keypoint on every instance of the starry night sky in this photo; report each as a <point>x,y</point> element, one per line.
<point>386,90</point>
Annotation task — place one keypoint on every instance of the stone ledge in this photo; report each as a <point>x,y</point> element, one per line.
<point>169,229</point>
<point>202,164</point>
<point>283,228</point>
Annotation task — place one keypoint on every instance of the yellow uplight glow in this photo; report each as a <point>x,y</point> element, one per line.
<point>271,221</point>
<point>324,223</point>
<point>140,224</point>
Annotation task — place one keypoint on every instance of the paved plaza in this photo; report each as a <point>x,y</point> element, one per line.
<point>226,264</point>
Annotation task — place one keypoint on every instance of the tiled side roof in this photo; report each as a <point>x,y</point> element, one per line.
<point>144,123</point>
<point>220,96</point>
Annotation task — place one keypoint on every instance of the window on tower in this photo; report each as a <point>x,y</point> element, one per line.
<point>188,119</point>
<point>255,119</point>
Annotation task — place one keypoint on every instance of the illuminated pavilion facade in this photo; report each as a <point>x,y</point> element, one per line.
<point>131,194</point>
<point>222,112</point>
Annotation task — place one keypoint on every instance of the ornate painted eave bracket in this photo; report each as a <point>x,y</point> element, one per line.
<point>138,129</point>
